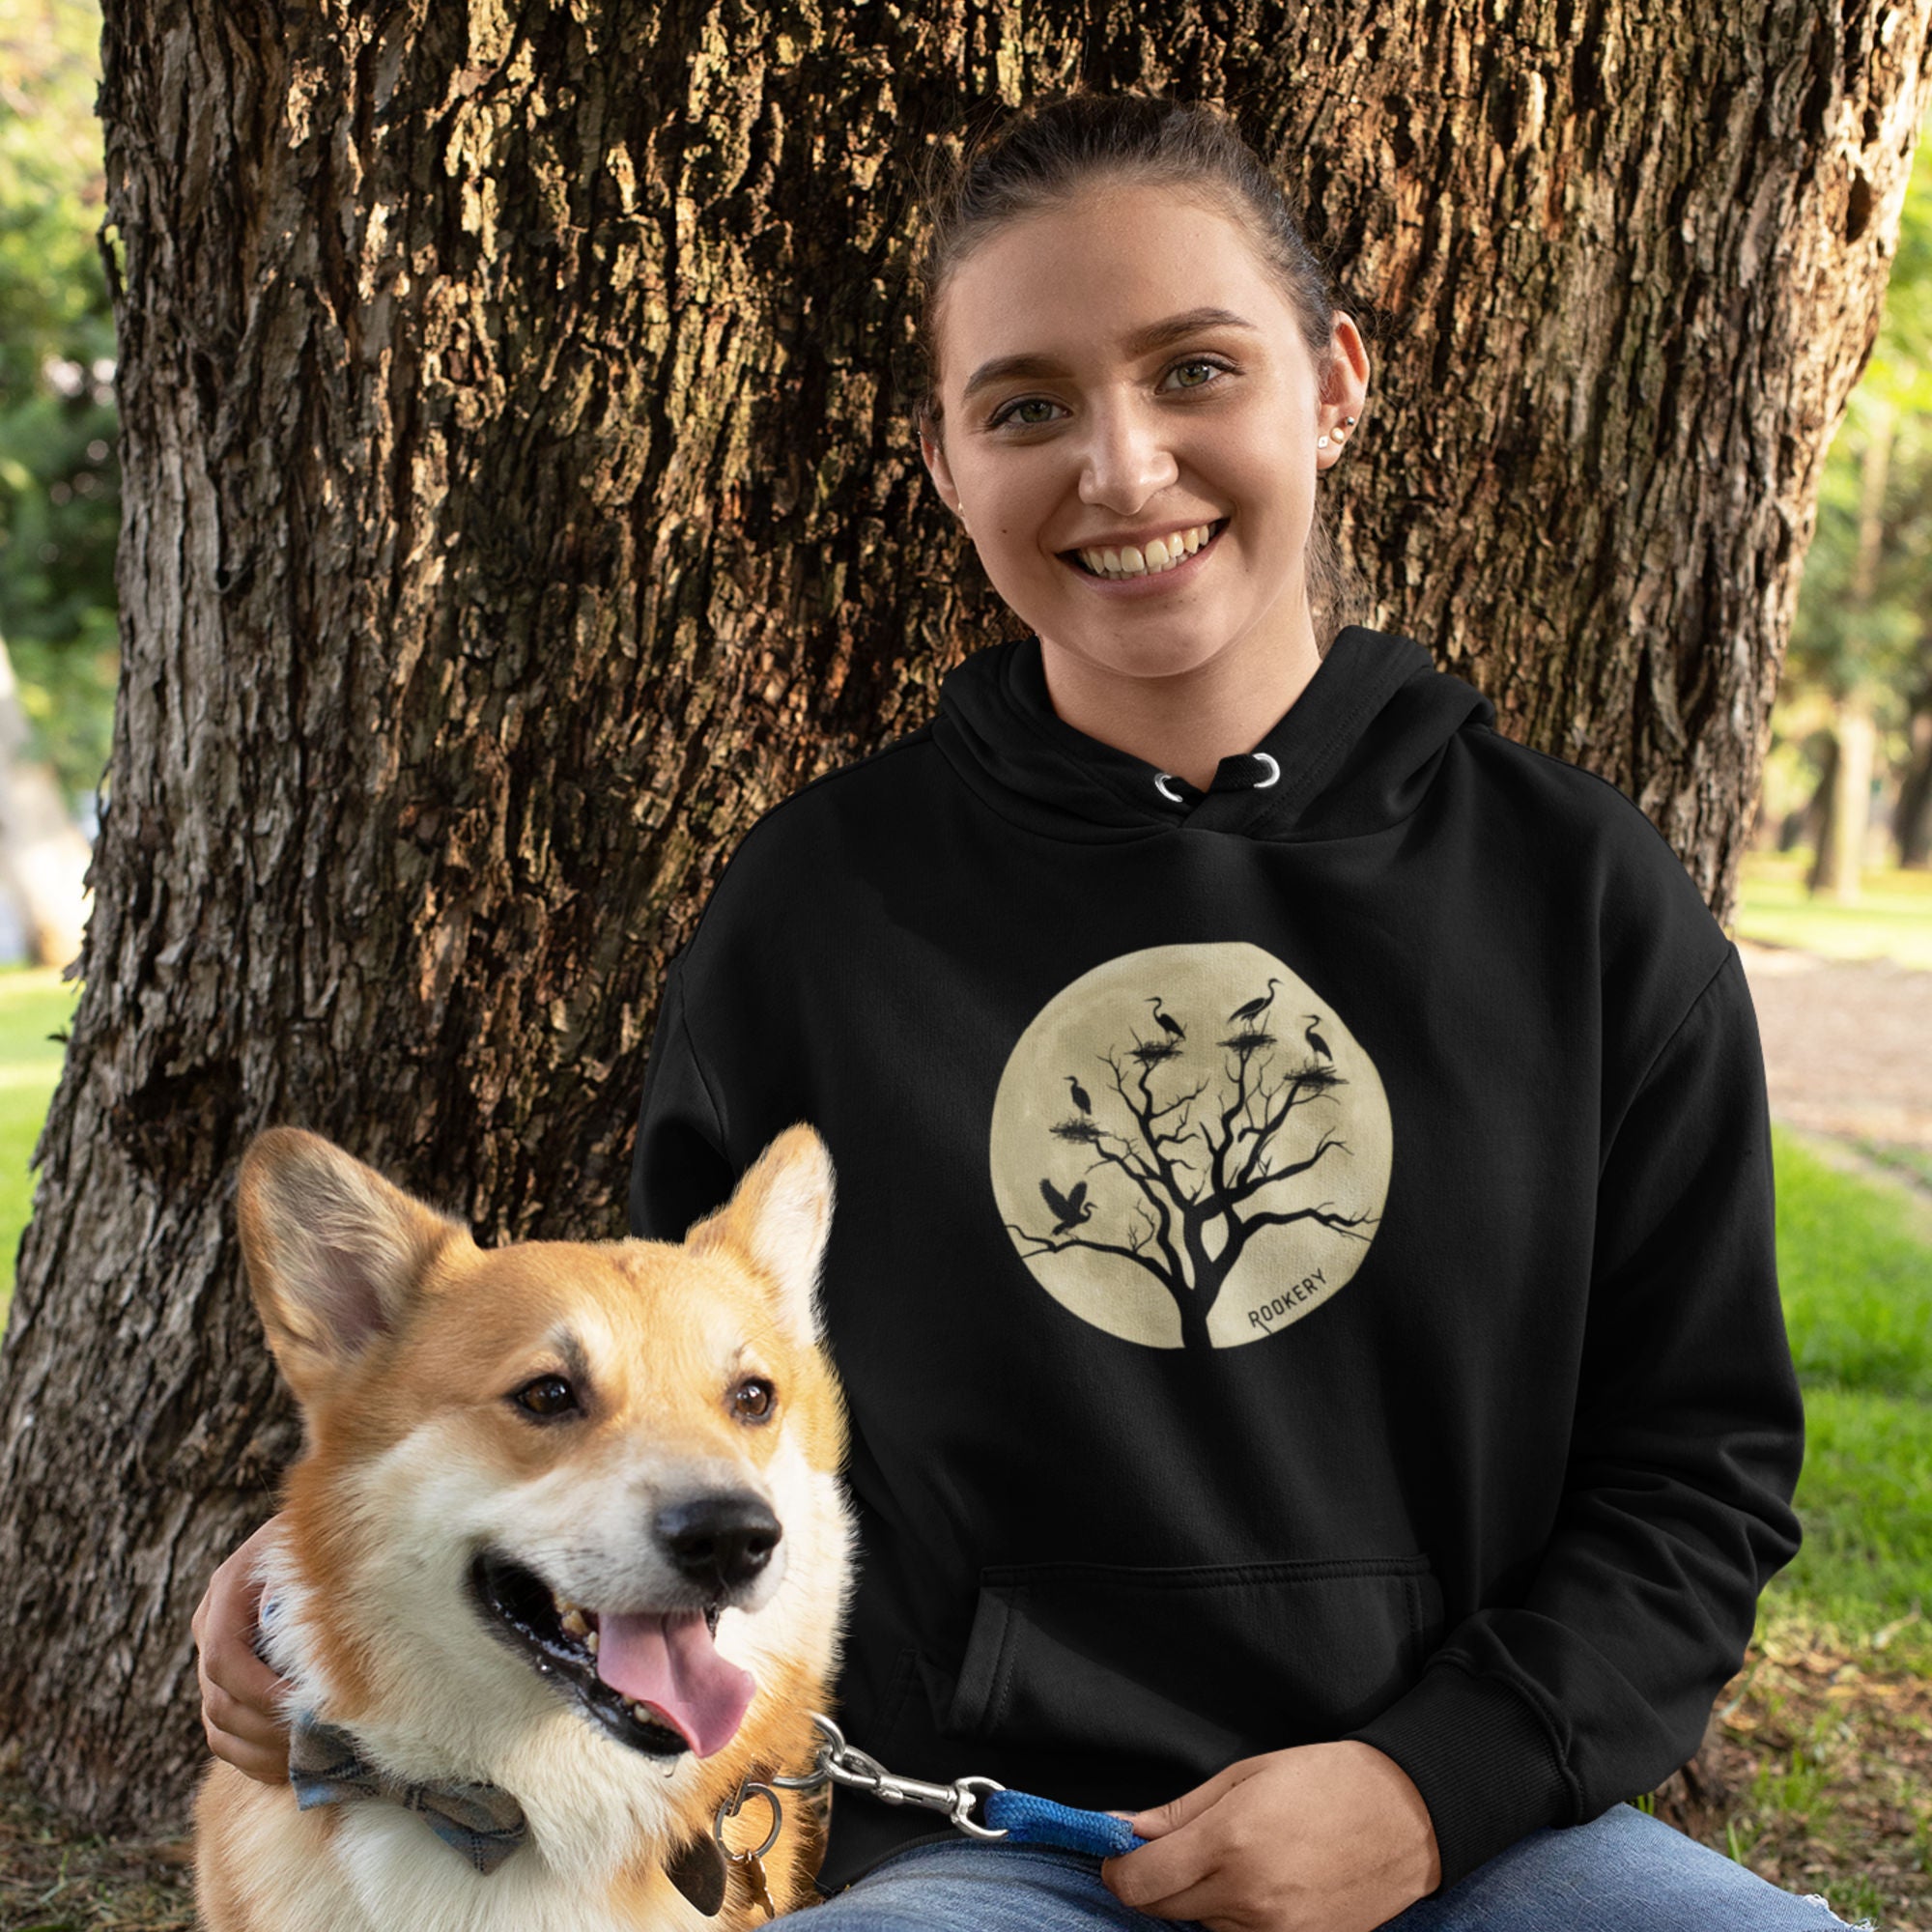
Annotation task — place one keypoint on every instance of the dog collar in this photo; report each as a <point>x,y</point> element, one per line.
<point>482,1822</point>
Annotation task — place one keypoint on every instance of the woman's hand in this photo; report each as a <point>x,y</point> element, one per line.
<point>239,1691</point>
<point>1321,1838</point>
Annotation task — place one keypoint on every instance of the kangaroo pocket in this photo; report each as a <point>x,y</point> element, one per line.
<point>1197,1665</point>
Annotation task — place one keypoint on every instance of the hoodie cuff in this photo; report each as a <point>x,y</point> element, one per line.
<point>1481,1757</point>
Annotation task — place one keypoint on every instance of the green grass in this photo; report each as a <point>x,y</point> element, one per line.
<point>1893,919</point>
<point>1857,1280</point>
<point>1857,1277</point>
<point>33,1004</point>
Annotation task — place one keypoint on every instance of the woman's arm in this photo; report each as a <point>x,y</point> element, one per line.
<point>1677,1499</point>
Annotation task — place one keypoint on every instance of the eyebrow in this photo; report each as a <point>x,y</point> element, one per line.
<point>575,1363</point>
<point>1142,342</point>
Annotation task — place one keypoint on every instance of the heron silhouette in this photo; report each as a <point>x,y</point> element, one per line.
<point>1315,1040</point>
<point>1254,1009</point>
<point>1068,1209</point>
<point>1169,1025</point>
<point>1081,1097</point>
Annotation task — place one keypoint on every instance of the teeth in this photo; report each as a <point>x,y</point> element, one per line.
<point>1160,555</point>
<point>575,1623</point>
<point>590,1643</point>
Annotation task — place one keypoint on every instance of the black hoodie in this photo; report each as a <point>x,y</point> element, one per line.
<point>1303,1262</point>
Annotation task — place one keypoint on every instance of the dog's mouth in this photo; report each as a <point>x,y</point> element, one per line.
<point>652,1679</point>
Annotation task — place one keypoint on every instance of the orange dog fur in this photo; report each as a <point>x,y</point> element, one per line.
<point>443,1469</point>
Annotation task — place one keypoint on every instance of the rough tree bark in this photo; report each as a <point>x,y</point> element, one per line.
<point>517,505</point>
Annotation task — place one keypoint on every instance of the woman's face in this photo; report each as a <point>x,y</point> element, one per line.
<point>1119,371</point>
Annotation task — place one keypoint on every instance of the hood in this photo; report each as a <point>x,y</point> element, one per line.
<point>1355,752</point>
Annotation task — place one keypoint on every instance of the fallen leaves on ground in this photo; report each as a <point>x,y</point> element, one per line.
<point>1816,1772</point>
<point>53,1879</point>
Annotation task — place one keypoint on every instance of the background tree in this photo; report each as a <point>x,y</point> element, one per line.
<point>516,505</point>
<point>1856,701</point>
<point>59,481</point>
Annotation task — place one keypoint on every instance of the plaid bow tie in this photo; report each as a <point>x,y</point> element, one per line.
<point>481,1821</point>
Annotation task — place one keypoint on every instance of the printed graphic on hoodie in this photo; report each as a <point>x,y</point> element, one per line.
<point>1189,1147</point>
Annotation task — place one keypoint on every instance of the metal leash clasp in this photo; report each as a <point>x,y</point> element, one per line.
<point>846,1764</point>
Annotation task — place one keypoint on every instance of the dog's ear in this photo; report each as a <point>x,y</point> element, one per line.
<point>777,1219</point>
<point>332,1251</point>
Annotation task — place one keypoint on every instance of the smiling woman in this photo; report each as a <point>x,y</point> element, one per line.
<point>1139,479</point>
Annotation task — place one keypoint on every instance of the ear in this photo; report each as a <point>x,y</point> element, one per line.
<point>932,452</point>
<point>777,1219</point>
<point>333,1252</point>
<point>1344,389</point>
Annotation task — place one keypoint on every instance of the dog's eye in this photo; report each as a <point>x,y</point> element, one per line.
<point>752,1400</point>
<point>548,1397</point>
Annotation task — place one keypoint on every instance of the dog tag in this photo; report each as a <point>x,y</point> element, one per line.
<point>698,1872</point>
<point>754,1868</point>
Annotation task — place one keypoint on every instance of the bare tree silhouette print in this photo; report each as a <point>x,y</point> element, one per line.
<point>1209,1161</point>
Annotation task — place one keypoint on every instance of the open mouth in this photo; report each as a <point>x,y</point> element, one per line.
<point>1163,557</point>
<point>651,1679</point>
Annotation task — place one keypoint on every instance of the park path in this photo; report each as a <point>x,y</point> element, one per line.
<point>1847,1044</point>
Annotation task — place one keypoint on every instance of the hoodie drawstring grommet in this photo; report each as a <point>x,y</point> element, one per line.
<point>1164,781</point>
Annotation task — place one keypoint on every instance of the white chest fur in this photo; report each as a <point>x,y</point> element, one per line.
<point>384,1869</point>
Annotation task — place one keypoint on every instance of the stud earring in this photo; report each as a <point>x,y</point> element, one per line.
<point>1320,442</point>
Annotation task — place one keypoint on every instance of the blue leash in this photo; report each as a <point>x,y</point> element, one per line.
<point>1027,1820</point>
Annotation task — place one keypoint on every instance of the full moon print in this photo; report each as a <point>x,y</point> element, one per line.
<point>1189,1147</point>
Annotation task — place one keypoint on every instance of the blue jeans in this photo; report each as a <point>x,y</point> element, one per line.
<point>1623,1872</point>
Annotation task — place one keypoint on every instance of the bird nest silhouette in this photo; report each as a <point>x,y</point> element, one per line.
<point>1073,1128</point>
<point>1249,1040</point>
<point>1152,1052</point>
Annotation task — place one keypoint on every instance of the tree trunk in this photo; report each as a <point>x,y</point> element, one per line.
<point>1839,858</point>
<point>1836,864</point>
<point>517,505</point>
<point>1819,818</point>
<point>1912,816</point>
<point>43,853</point>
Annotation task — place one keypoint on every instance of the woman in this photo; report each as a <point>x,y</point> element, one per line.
<point>1303,1276</point>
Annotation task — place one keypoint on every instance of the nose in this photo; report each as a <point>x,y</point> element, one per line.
<point>720,1542</point>
<point>1126,460</point>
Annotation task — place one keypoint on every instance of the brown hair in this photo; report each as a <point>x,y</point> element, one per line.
<point>1044,155</point>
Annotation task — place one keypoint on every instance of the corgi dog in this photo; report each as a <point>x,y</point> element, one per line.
<point>564,1559</point>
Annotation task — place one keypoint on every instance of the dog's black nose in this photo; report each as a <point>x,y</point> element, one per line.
<point>722,1542</point>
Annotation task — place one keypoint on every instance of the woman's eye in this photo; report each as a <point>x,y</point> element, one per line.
<point>1194,375</point>
<point>752,1400</point>
<point>547,1397</point>
<point>1019,413</point>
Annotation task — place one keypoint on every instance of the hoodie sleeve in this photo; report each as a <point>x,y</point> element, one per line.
<point>1676,1511</point>
<point>679,1171</point>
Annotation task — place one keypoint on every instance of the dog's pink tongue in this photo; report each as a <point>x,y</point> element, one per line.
<point>671,1663</point>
